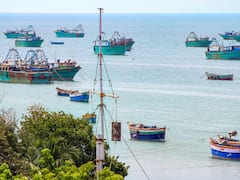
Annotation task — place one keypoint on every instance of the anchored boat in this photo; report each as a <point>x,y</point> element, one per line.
<point>193,40</point>
<point>29,42</point>
<point>213,76</point>
<point>77,32</point>
<point>20,33</point>
<point>225,147</point>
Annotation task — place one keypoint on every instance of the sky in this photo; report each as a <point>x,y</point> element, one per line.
<point>122,6</point>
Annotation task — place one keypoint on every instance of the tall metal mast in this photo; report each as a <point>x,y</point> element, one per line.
<point>100,156</point>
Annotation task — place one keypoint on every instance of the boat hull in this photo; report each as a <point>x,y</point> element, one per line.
<point>83,97</point>
<point>212,76</point>
<point>226,55</point>
<point>69,35</point>
<point>225,152</point>
<point>227,37</point>
<point>23,43</point>
<point>198,43</point>
<point>14,35</point>
<point>110,50</point>
<point>148,135</point>
<point>64,74</point>
<point>25,77</point>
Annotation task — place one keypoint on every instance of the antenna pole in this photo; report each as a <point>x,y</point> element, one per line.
<point>100,156</point>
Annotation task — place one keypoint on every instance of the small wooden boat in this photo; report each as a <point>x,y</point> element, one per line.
<point>91,117</point>
<point>217,51</point>
<point>77,32</point>
<point>20,33</point>
<point>79,97</point>
<point>65,92</point>
<point>57,42</point>
<point>212,76</point>
<point>29,42</point>
<point>225,147</point>
<point>193,40</point>
<point>146,133</point>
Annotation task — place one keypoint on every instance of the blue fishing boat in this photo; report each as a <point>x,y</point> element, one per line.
<point>20,33</point>
<point>217,51</point>
<point>146,133</point>
<point>57,42</point>
<point>29,42</point>
<point>193,40</point>
<point>91,117</point>
<point>77,32</point>
<point>225,147</point>
<point>79,97</point>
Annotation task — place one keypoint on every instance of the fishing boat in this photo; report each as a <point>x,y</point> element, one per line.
<point>193,40</point>
<point>109,47</point>
<point>65,92</point>
<point>225,147</point>
<point>57,42</point>
<point>29,42</point>
<point>212,76</point>
<point>228,35</point>
<point>236,37</point>
<point>217,51</point>
<point>20,33</point>
<point>146,133</point>
<point>14,70</point>
<point>91,117</point>
<point>117,39</point>
<point>80,96</point>
<point>77,32</point>
<point>61,70</point>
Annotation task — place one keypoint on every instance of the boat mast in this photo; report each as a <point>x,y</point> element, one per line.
<point>100,157</point>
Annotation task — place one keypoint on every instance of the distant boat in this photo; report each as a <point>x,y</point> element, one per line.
<point>91,117</point>
<point>79,97</point>
<point>77,32</point>
<point>109,47</point>
<point>193,40</point>
<point>217,51</point>
<point>20,33</point>
<point>225,147</point>
<point>65,92</point>
<point>29,42</point>
<point>212,76</point>
<point>117,39</point>
<point>228,35</point>
<point>57,42</point>
<point>146,133</point>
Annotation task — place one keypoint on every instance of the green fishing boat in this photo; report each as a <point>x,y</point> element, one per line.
<point>193,41</point>
<point>29,31</point>
<point>119,40</point>
<point>109,47</point>
<point>61,70</point>
<point>77,32</point>
<point>216,51</point>
<point>29,42</point>
<point>228,35</point>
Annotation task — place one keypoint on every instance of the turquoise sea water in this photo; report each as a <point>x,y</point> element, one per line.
<point>160,82</point>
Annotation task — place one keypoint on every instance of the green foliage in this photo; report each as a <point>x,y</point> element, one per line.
<point>117,167</point>
<point>107,174</point>
<point>51,146</point>
<point>5,172</point>
<point>65,136</point>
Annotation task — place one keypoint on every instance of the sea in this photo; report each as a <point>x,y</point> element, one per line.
<point>159,82</point>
